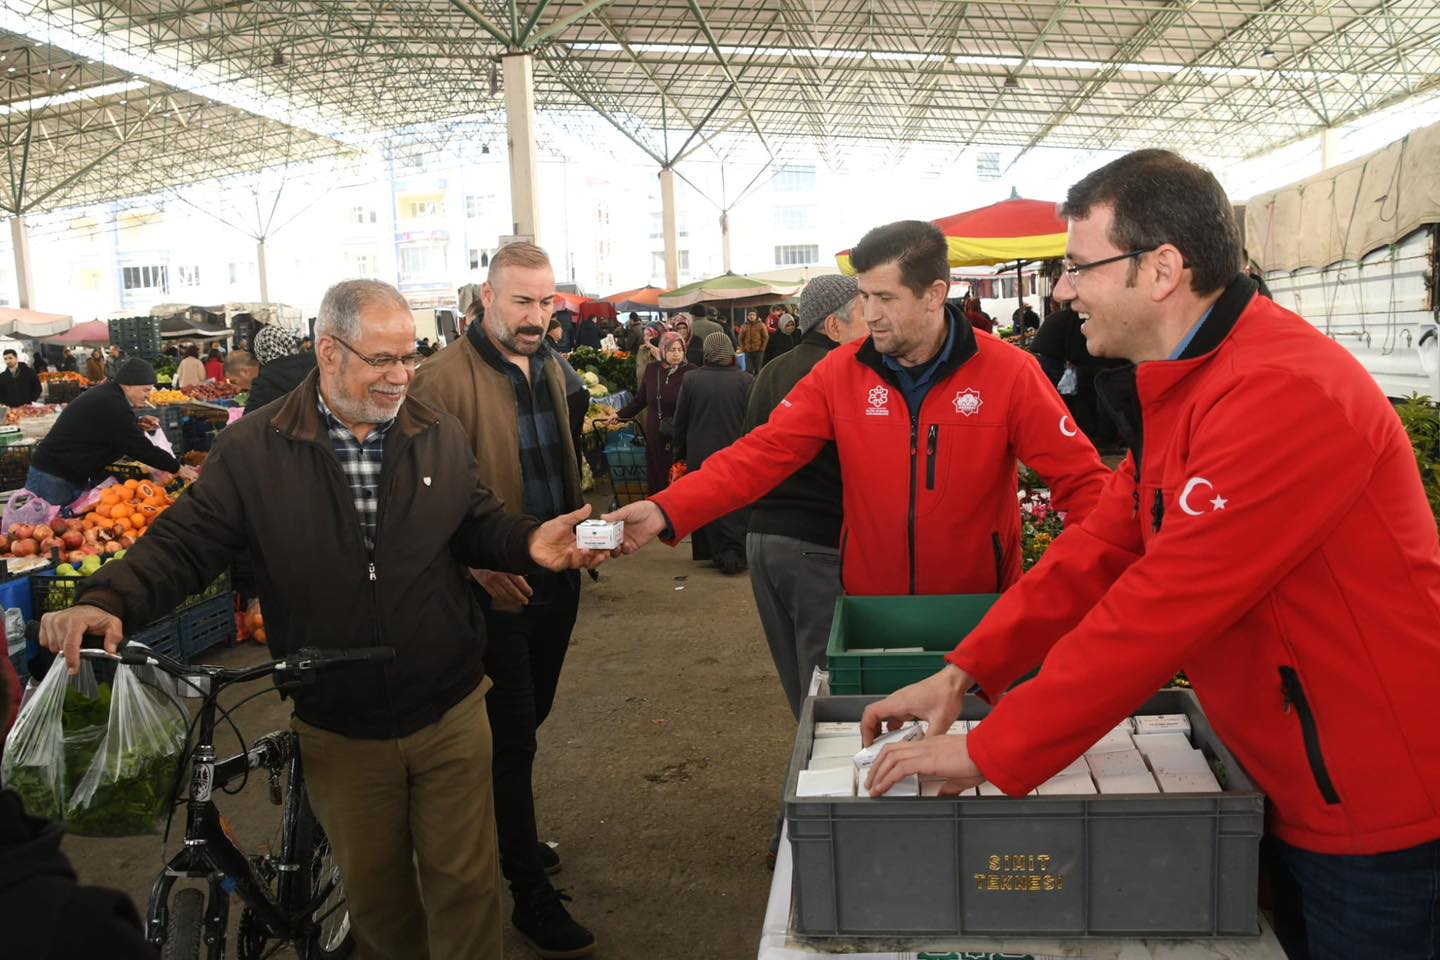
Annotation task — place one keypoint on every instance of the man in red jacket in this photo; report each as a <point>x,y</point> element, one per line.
<point>1269,535</point>
<point>928,417</point>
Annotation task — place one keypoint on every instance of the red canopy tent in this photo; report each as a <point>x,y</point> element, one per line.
<point>641,298</point>
<point>92,331</point>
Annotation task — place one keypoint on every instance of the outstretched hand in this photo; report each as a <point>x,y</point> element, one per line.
<point>552,545</point>
<point>644,521</point>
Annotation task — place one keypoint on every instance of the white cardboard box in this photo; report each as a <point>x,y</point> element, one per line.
<point>829,763</point>
<point>1126,783</point>
<point>829,728</point>
<point>839,782</point>
<point>1116,764</point>
<point>1181,761</point>
<point>1148,743</point>
<point>835,746</point>
<point>1163,723</point>
<point>1203,782</point>
<point>600,534</point>
<point>868,755</point>
<point>988,789</point>
<point>905,787</point>
<point>1067,785</point>
<point>1117,740</point>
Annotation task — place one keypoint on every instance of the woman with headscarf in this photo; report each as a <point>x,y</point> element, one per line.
<point>782,340</point>
<point>191,371</point>
<point>95,366</point>
<point>709,417</point>
<point>283,365</point>
<point>659,397</point>
<point>648,350</point>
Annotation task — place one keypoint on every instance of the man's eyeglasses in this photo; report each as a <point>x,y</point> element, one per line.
<point>384,362</point>
<point>1073,270</point>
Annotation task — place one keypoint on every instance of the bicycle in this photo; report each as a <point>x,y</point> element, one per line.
<point>294,898</point>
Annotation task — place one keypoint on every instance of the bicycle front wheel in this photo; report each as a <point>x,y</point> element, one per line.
<point>184,932</point>
<point>331,939</point>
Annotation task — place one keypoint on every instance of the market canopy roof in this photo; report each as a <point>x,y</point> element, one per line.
<point>92,331</point>
<point>641,298</point>
<point>110,100</point>
<point>15,322</point>
<point>1014,229</point>
<point>726,287</point>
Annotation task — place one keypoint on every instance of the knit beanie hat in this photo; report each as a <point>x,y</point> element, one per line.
<point>274,342</point>
<point>719,351</point>
<point>823,296</point>
<point>135,373</point>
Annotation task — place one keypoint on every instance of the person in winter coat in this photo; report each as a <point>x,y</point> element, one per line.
<point>191,371</point>
<point>69,364</point>
<point>45,913</point>
<point>978,318</point>
<point>19,384</point>
<point>113,360</point>
<point>753,339</point>
<point>215,366</point>
<point>283,366</point>
<point>709,417</point>
<point>929,418</point>
<point>1060,344</point>
<point>659,397</point>
<point>95,366</point>
<point>1254,540</point>
<point>649,349</point>
<point>702,323</point>
<point>782,341</point>
<point>588,333</point>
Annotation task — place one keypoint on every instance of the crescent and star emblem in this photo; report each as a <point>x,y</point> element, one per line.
<point>1071,431</point>
<point>1218,503</point>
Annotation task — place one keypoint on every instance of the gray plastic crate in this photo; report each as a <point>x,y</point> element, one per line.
<point>1164,865</point>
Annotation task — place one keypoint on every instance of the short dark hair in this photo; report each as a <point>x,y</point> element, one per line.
<point>918,247</point>
<point>10,353</point>
<point>1160,197</point>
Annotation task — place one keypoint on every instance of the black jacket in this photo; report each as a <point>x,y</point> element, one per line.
<point>95,429</point>
<point>588,334</point>
<point>45,914</point>
<point>277,378</point>
<point>272,485</point>
<point>20,387</point>
<point>780,344</point>
<point>808,506</point>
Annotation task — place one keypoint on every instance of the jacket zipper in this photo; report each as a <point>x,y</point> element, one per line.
<point>914,469</point>
<point>999,562</point>
<point>930,444</point>
<point>1295,696</point>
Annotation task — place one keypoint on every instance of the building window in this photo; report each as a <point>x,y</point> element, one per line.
<point>425,208</point>
<point>480,206</point>
<point>658,262</point>
<point>796,178</point>
<point>145,278</point>
<point>987,165</point>
<point>364,264</point>
<point>427,260</point>
<point>360,213</point>
<point>187,276</point>
<point>794,218</point>
<point>797,254</point>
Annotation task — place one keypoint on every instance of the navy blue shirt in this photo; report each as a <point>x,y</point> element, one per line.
<point>915,382</point>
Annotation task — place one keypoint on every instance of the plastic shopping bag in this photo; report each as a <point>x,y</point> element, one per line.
<point>28,509</point>
<point>55,738</point>
<point>127,788</point>
<point>1069,382</point>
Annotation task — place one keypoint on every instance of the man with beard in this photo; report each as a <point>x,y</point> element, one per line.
<point>508,389</point>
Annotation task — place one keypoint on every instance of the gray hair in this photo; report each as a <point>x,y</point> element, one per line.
<point>339,314</point>
<point>848,309</point>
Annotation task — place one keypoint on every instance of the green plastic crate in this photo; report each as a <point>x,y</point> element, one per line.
<point>863,626</point>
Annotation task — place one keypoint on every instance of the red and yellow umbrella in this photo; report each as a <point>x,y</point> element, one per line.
<point>1014,229</point>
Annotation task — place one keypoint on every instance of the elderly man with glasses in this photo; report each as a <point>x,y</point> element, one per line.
<point>360,506</point>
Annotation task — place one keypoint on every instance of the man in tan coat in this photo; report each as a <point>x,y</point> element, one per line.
<point>506,387</point>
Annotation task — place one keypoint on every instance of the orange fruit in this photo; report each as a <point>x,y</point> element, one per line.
<point>146,490</point>
<point>137,520</point>
<point>131,484</point>
<point>119,510</point>
<point>122,525</point>
<point>109,496</point>
<point>259,636</point>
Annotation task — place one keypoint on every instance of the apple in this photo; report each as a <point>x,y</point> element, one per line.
<point>21,531</point>
<point>42,531</point>
<point>73,539</point>
<point>25,547</point>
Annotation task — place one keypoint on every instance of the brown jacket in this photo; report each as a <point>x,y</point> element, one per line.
<point>461,382</point>
<point>273,486</point>
<point>753,337</point>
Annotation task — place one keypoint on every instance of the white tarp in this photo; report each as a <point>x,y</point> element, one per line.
<point>32,323</point>
<point>1346,212</point>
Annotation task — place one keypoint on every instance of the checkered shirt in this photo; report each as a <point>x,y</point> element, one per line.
<point>361,465</point>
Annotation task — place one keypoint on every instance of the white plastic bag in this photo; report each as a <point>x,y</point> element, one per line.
<point>127,788</point>
<point>45,758</point>
<point>1069,382</point>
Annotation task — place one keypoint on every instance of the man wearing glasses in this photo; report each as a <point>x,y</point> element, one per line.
<point>509,390</point>
<point>356,503</point>
<point>1269,534</point>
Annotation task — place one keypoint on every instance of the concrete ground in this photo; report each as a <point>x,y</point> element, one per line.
<point>659,771</point>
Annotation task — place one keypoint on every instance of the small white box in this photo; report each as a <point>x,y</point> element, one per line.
<point>1204,782</point>
<point>600,534</point>
<point>1163,723</point>
<point>829,728</point>
<point>829,763</point>
<point>1067,785</point>
<point>1126,783</point>
<point>839,782</point>
<point>1148,743</point>
<point>1116,764</point>
<point>904,787</point>
<point>835,747</point>
<point>1075,768</point>
<point>1117,740</point>
<point>868,755</point>
<point>988,789</point>
<point>930,786</point>
<point>1180,762</point>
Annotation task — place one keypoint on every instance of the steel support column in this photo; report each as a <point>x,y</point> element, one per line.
<point>264,275</point>
<point>725,239</point>
<point>1329,148</point>
<point>520,128</point>
<point>24,279</point>
<point>667,206</point>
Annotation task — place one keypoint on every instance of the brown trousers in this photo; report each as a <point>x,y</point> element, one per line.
<point>412,825</point>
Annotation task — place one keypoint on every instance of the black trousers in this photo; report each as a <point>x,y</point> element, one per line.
<point>523,656</point>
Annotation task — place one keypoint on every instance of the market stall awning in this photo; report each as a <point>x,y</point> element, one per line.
<point>91,331</point>
<point>641,298</point>
<point>726,287</point>
<point>569,301</point>
<point>15,322</point>
<point>1014,229</point>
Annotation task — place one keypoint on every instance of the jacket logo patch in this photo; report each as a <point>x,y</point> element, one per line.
<point>1193,484</point>
<point>1067,431</point>
<point>967,402</point>
<point>878,398</point>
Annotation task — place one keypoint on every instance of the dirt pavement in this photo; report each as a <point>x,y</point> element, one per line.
<point>658,775</point>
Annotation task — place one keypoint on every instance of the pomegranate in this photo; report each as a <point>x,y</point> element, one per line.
<point>25,547</point>
<point>73,539</point>
<point>60,525</point>
<point>50,543</point>
<point>113,547</point>
<point>21,531</point>
<point>42,531</point>
<point>4,544</point>
<point>126,542</point>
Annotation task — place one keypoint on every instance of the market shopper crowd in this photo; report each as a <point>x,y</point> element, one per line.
<point>869,447</point>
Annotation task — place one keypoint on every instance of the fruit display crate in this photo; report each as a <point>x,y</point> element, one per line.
<point>137,336</point>
<point>206,625</point>
<point>49,591</point>
<point>63,391</point>
<point>1097,866</point>
<point>864,628</point>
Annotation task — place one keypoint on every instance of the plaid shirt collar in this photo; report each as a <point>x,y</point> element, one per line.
<point>361,464</point>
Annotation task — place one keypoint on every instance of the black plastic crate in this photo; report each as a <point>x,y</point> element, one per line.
<point>63,391</point>
<point>1097,866</point>
<point>50,592</point>
<point>207,625</point>
<point>15,465</point>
